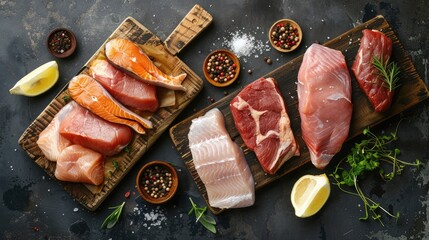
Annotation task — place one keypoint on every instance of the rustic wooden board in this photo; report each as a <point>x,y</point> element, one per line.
<point>411,92</point>
<point>154,47</point>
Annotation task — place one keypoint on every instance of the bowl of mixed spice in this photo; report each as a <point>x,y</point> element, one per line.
<point>61,42</point>
<point>221,68</point>
<point>285,35</point>
<point>157,182</point>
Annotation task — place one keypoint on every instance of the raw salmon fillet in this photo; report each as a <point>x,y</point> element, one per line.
<point>50,141</point>
<point>373,43</point>
<point>90,94</point>
<point>220,163</point>
<point>80,164</point>
<point>261,118</point>
<point>129,57</point>
<point>325,107</point>
<point>124,88</point>
<point>84,128</point>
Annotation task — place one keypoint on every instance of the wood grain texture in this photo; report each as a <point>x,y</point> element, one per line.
<point>411,92</point>
<point>154,47</point>
<point>192,24</point>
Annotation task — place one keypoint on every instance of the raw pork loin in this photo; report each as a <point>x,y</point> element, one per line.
<point>373,43</point>
<point>325,107</point>
<point>261,118</point>
<point>220,163</point>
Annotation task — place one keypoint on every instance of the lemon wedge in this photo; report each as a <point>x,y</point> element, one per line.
<point>309,194</point>
<point>38,81</point>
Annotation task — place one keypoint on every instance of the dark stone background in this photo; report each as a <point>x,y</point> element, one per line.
<point>34,206</point>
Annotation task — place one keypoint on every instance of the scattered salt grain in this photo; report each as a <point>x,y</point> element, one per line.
<point>75,209</point>
<point>49,190</point>
<point>15,150</point>
<point>43,177</point>
<point>245,45</point>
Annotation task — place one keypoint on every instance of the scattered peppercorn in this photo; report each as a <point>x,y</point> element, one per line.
<point>127,194</point>
<point>212,100</point>
<point>249,71</point>
<point>269,62</point>
<point>221,68</point>
<point>60,42</point>
<point>285,36</point>
<point>157,181</point>
<point>225,93</point>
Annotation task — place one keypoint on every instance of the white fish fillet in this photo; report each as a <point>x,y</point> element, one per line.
<point>220,163</point>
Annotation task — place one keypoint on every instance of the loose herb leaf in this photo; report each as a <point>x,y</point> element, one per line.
<point>367,156</point>
<point>207,221</point>
<point>113,218</point>
<point>115,164</point>
<point>390,72</point>
<point>66,98</point>
<point>127,149</point>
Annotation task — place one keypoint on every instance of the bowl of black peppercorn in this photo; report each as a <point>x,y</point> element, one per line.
<point>285,35</point>
<point>61,42</point>
<point>157,182</point>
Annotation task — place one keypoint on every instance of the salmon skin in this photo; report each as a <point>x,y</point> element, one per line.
<point>124,88</point>
<point>129,57</point>
<point>91,95</point>
<point>84,128</point>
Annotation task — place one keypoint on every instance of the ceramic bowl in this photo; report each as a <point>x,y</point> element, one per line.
<point>285,22</point>
<point>234,59</point>
<point>140,180</point>
<point>52,41</point>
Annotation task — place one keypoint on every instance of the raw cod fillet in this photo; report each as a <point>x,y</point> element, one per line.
<point>129,57</point>
<point>80,164</point>
<point>220,163</point>
<point>50,141</point>
<point>90,94</point>
<point>124,88</point>
<point>373,43</point>
<point>325,107</point>
<point>261,118</point>
<point>84,128</point>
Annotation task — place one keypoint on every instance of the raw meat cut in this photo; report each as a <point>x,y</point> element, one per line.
<point>124,88</point>
<point>84,128</point>
<point>220,163</point>
<point>373,43</point>
<point>325,107</point>
<point>129,57</point>
<point>91,95</point>
<point>80,164</point>
<point>261,118</point>
<point>50,141</point>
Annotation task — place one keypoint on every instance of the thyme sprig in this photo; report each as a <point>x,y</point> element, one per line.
<point>389,72</point>
<point>207,221</point>
<point>113,218</point>
<point>367,156</point>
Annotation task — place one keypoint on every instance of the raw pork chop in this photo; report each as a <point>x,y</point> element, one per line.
<point>124,88</point>
<point>220,163</point>
<point>261,118</point>
<point>84,128</point>
<point>325,107</point>
<point>373,43</point>
<point>50,141</point>
<point>80,164</point>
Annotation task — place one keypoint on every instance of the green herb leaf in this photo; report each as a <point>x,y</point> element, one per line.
<point>389,72</point>
<point>115,164</point>
<point>113,218</point>
<point>207,221</point>
<point>66,98</point>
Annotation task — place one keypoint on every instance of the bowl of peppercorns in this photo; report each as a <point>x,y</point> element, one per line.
<point>285,35</point>
<point>61,42</point>
<point>221,68</point>
<point>157,182</point>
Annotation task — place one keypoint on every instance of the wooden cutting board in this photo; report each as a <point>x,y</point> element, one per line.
<point>412,91</point>
<point>163,55</point>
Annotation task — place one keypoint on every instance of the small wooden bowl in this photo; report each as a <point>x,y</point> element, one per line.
<point>140,184</point>
<point>294,25</point>
<point>235,60</point>
<point>73,43</point>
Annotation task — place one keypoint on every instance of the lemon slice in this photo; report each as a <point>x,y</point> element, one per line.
<point>38,81</point>
<point>309,194</point>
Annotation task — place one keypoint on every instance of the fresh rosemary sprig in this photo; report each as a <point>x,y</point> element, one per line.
<point>113,218</point>
<point>207,221</point>
<point>367,156</point>
<point>390,72</point>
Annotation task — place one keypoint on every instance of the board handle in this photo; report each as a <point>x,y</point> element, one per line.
<point>191,25</point>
